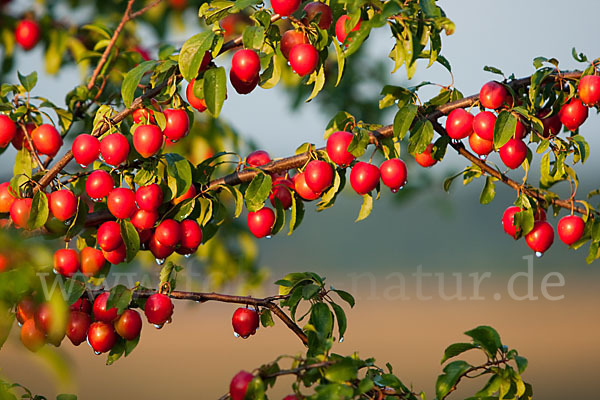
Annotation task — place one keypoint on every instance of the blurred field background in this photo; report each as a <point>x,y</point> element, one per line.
<point>196,356</point>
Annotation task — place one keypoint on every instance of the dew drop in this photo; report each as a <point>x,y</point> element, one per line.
<point>157,326</point>
<point>97,353</point>
<point>237,335</point>
<point>341,339</point>
<point>83,166</point>
<point>160,261</point>
<point>187,255</point>
<point>483,157</point>
<point>538,254</point>
<point>395,190</point>
<point>268,237</point>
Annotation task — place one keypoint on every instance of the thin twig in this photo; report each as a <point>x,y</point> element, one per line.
<point>111,44</point>
<point>226,298</point>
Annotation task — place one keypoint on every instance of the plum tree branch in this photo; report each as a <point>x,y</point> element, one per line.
<point>299,160</point>
<point>267,302</point>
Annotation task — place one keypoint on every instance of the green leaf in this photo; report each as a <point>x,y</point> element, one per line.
<point>347,297</point>
<point>297,213</point>
<point>255,390</point>
<point>430,9</point>
<point>493,70</point>
<point>309,291</point>
<point>521,363</point>
<point>79,220</point>
<point>319,83</point>
<point>116,352</point>
<point>341,61</point>
<point>28,81</point>
<point>404,119</point>
<point>338,123</point>
<point>99,29</point>
<point>279,217</point>
<point>340,316</point>
<point>179,168</point>
<point>119,298</point>
<point>451,375</point>
<point>238,197</point>
<point>366,208</point>
<point>239,5</point>
<point>131,239</point>
<point>39,211</point>
<point>253,37</point>
<point>215,89</point>
<point>455,349</point>
<point>23,163</point>
<point>488,192</point>
<point>266,318</point>
<point>74,290</point>
<point>258,191</point>
<point>132,79</point>
<point>192,53</point>
<point>504,129</point>
<point>421,135</point>
<point>130,345</point>
<point>359,143</point>
<point>341,372</point>
<point>487,338</point>
<point>168,275</point>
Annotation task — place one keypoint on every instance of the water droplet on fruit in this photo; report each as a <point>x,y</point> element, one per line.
<point>341,339</point>
<point>19,324</point>
<point>101,158</point>
<point>83,166</point>
<point>55,271</point>
<point>187,255</point>
<point>97,353</point>
<point>483,157</point>
<point>173,141</point>
<point>157,326</point>
<point>237,335</point>
<point>245,337</point>
<point>268,237</point>
<point>160,261</point>
<point>538,254</point>
<point>97,200</point>
<point>395,190</point>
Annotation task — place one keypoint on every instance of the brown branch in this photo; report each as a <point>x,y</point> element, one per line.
<point>111,44</point>
<point>299,160</point>
<point>33,151</point>
<point>267,302</point>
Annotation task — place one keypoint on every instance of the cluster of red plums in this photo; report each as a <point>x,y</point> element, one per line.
<point>139,206</point>
<point>295,46</point>
<point>494,96</point>
<point>317,176</point>
<point>570,229</point>
<point>101,326</point>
